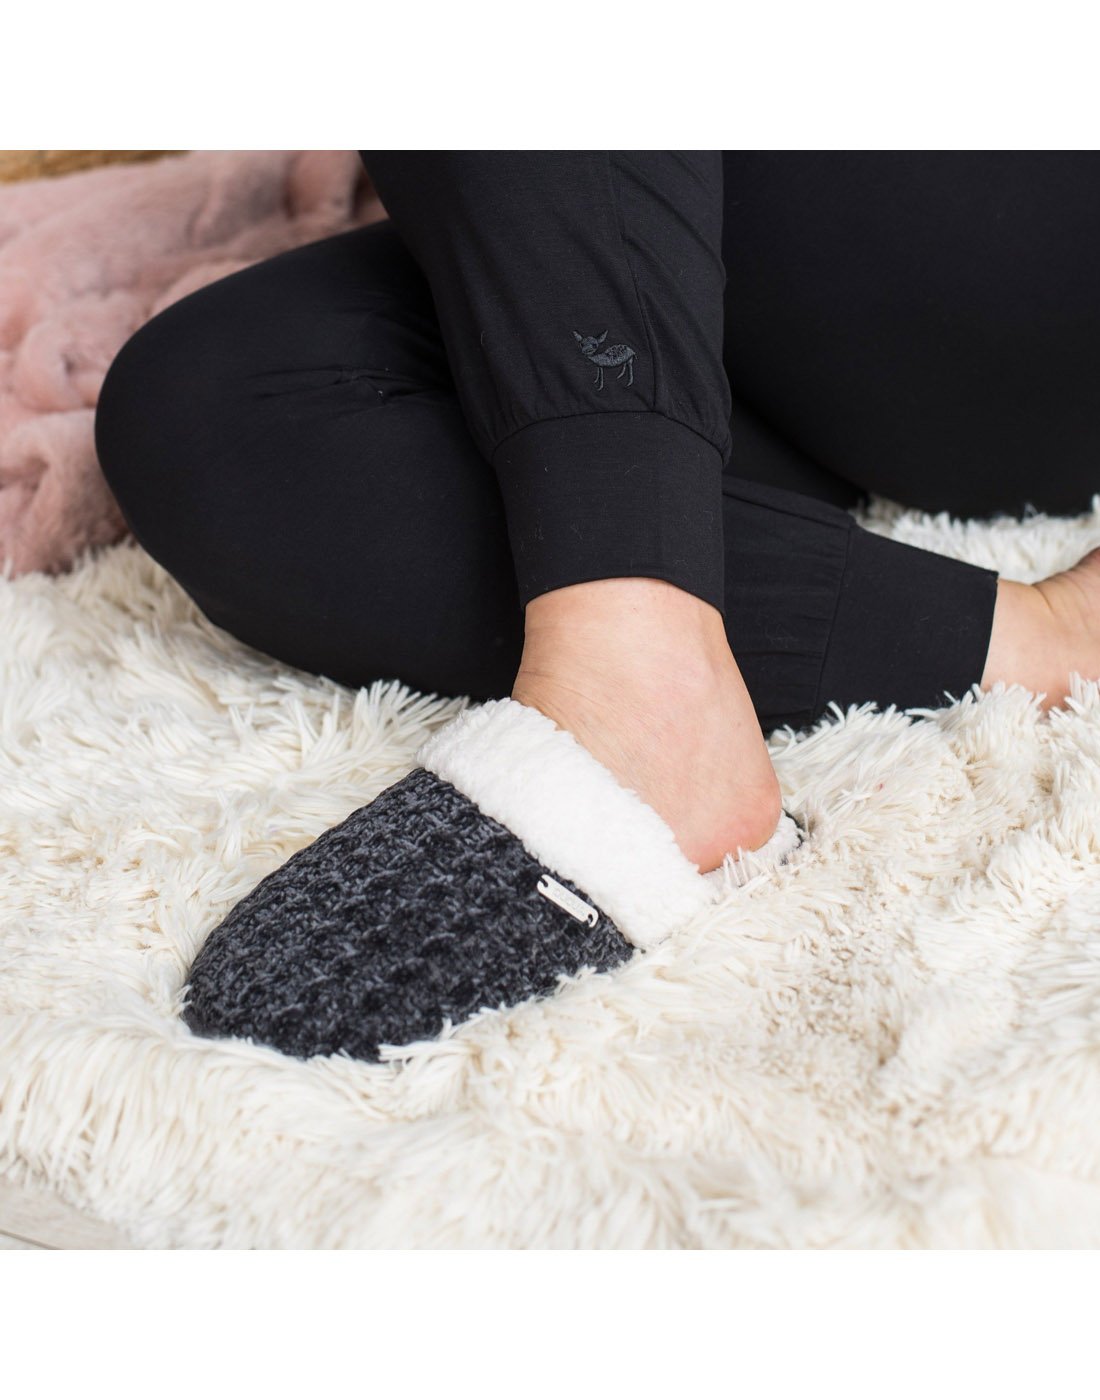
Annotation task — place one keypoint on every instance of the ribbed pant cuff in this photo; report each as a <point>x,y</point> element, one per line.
<point>613,495</point>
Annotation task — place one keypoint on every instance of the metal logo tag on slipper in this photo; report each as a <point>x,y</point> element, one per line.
<point>509,859</point>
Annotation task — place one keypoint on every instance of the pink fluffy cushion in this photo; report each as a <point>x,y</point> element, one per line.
<point>85,260</point>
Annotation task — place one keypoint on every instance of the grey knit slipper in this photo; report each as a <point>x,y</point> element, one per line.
<point>508,859</point>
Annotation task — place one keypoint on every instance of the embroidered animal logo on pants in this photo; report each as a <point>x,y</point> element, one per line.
<point>606,359</point>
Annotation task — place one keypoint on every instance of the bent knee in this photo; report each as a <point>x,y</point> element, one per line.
<point>156,408</point>
<point>140,401</point>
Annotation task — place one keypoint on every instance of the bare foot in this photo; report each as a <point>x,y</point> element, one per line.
<point>1044,631</point>
<point>641,674</point>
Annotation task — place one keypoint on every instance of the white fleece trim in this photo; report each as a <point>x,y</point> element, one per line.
<point>572,815</point>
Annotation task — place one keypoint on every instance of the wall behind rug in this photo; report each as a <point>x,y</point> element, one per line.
<point>34,165</point>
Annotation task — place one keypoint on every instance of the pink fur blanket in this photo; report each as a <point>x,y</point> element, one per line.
<point>85,260</point>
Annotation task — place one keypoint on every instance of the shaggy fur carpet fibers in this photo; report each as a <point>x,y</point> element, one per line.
<point>892,1041</point>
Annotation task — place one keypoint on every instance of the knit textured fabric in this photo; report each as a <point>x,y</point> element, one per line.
<point>416,910</point>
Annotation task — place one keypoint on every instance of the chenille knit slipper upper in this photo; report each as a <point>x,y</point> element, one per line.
<point>508,859</point>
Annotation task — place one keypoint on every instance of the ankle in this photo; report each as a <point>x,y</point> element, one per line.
<point>618,653</point>
<point>627,630</point>
<point>1030,640</point>
<point>1071,596</point>
<point>642,675</point>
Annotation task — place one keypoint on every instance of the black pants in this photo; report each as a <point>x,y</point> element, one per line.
<point>288,442</point>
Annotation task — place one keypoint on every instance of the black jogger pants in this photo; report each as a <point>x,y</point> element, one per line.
<point>364,456</point>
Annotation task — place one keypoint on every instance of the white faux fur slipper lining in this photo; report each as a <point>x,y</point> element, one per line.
<point>575,817</point>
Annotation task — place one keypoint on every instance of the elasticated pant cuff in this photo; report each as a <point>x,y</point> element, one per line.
<point>911,627</point>
<point>613,495</point>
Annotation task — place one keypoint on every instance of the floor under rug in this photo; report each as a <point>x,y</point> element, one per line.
<point>892,1041</point>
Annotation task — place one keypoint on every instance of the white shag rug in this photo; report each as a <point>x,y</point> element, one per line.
<point>893,1041</point>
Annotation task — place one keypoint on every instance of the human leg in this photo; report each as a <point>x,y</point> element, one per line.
<point>287,443</point>
<point>920,326</point>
